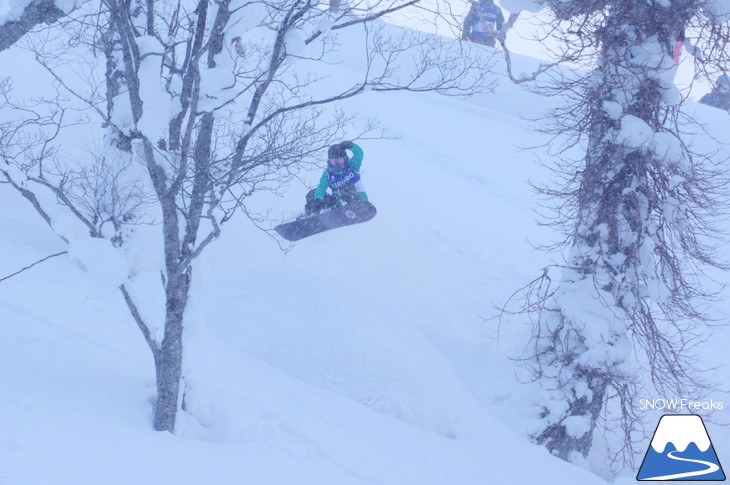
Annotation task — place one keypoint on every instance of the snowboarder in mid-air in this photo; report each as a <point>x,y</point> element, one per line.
<point>346,204</point>
<point>342,177</point>
<point>483,23</point>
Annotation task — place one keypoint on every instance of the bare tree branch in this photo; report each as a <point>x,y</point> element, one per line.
<point>32,265</point>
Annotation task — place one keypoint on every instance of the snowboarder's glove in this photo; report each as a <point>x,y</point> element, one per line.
<point>316,206</point>
<point>346,144</point>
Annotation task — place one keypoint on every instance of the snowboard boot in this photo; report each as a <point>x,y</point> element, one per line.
<point>312,205</point>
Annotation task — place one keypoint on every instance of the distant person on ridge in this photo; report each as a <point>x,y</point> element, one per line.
<point>483,23</point>
<point>719,97</point>
<point>342,177</point>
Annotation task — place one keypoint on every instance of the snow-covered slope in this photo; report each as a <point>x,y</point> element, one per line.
<point>361,356</point>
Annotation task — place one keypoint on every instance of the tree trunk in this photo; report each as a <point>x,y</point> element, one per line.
<point>584,357</point>
<point>169,365</point>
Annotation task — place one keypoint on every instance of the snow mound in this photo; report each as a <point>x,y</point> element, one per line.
<point>375,357</point>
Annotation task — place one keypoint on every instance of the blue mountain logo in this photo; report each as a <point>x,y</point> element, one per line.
<point>681,450</point>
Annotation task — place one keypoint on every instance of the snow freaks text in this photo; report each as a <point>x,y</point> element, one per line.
<point>680,405</point>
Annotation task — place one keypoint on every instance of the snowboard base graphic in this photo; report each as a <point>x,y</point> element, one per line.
<point>346,215</point>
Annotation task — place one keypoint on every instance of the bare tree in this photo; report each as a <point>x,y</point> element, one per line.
<point>624,312</point>
<point>218,101</point>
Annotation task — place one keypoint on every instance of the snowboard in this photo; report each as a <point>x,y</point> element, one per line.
<point>345,215</point>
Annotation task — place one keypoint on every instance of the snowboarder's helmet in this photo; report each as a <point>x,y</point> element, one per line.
<point>336,151</point>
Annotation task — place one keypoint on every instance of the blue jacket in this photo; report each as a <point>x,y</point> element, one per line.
<point>353,163</point>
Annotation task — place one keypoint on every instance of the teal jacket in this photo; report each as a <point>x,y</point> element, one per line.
<point>355,163</point>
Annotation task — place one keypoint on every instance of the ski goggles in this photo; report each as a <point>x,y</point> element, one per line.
<point>337,162</point>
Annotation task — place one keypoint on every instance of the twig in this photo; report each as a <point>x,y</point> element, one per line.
<point>30,266</point>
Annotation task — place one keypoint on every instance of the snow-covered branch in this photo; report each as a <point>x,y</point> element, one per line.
<point>33,13</point>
